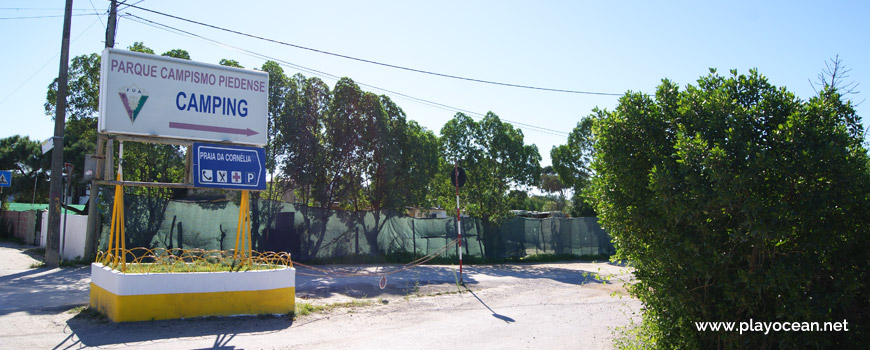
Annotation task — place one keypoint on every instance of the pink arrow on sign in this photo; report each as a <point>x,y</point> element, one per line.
<point>210,128</point>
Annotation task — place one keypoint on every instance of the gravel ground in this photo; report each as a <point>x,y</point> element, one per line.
<point>517,306</point>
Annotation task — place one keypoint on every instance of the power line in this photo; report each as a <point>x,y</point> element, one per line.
<point>95,10</point>
<point>50,16</point>
<point>376,62</point>
<point>43,66</point>
<point>125,3</point>
<point>38,9</point>
<point>335,77</point>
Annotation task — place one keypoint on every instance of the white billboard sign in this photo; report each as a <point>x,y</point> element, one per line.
<point>142,94</point>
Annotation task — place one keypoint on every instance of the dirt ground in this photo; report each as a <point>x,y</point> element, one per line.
<point>517,306</point>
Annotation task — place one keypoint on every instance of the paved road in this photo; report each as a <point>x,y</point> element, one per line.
<point>541,306</point>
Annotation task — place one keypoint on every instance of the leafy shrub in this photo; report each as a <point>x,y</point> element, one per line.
<point>735,200</point>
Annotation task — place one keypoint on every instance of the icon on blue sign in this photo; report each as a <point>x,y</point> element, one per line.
<point>236,177</point>
<point>207,175</point>
<point>252,178</point>
<point>221,176</point>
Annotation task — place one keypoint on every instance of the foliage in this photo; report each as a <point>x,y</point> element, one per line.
<point>571,164</point>
<point>24,157</point>
<point>234,63</point>
<point>83,91</point>
<point>550,181</point>
<point>80,128</point>
<point>351,148</point>
<point>138,46</point>
<point>177,53</point>
<point>547,202</point>
<point>833,76</point>
<point>496,161</point>
<point>734,201</point>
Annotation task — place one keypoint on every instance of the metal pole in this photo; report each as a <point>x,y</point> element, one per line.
<point>93,226</point>
<point>458,220</point>
<point>52,248</point>
<point>66,192</point>
<point>35,181</point>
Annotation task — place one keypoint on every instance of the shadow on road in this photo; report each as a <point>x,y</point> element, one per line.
<point>410,281</point>
<point>504,318</point>
<point>398,284</point>
<point>535,271</point>
<point>91,329</point>
<point>44,291</point>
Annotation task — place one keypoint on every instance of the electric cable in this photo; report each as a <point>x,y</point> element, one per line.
<point>434,104</point>
<point>376,62</point>
<point>49,16</point>
<point>43,66</point>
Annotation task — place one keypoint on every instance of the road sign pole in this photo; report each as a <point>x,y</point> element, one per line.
<point>458,220</point>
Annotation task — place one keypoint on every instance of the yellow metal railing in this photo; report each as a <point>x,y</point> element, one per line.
<point>117,254</point>
<point>159,260</point>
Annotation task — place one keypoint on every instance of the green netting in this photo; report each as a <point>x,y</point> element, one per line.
<point>308,232</point>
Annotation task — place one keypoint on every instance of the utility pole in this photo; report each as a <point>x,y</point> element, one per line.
<point>91,232</point>
<point>111,28</point>
<point>52,248</point>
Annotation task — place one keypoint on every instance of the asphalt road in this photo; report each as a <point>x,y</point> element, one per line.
<point>534,306</point>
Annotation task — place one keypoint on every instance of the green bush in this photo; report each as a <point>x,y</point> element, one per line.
<point>735,200</point>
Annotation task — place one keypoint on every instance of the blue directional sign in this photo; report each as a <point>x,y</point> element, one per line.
<point>5,178</point>
<point>229,167</point>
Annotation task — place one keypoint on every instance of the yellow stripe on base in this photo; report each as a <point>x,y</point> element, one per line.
<point>125,308</point>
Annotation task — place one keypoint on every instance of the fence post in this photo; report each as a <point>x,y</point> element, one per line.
<point>414,238</point>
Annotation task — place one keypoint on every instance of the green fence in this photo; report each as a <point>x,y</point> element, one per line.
<point>308,232</point>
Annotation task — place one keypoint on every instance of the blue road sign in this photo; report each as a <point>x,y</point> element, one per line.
<point>5,178</point>
<point>229,167</point>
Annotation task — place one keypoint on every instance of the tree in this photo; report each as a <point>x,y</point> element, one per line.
<point>571,163</point>
<point>80,129</point>
<point>496,161</point>
<point>234,63</point>
<point>418,165</point>
<point>734,200</point>
<point>833,76</point>
<point>550,181</point>
<point>138,46</point>
<point>302,149</point>
<point>177,53</point>
<point>399,160</point>
<point>24,157</point>
<point>351,149</point>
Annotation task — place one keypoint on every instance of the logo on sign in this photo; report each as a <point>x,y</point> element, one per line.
<point>207,175</point>
<point>3,180</point>
<point>221,176</point>
<point>133,98</point>
<point>251,177</point>
<point>237,177</point>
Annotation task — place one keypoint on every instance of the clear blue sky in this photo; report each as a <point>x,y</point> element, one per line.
<point>601,46</point>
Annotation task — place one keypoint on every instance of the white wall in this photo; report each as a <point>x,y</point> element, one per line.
<point>73,245</point>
